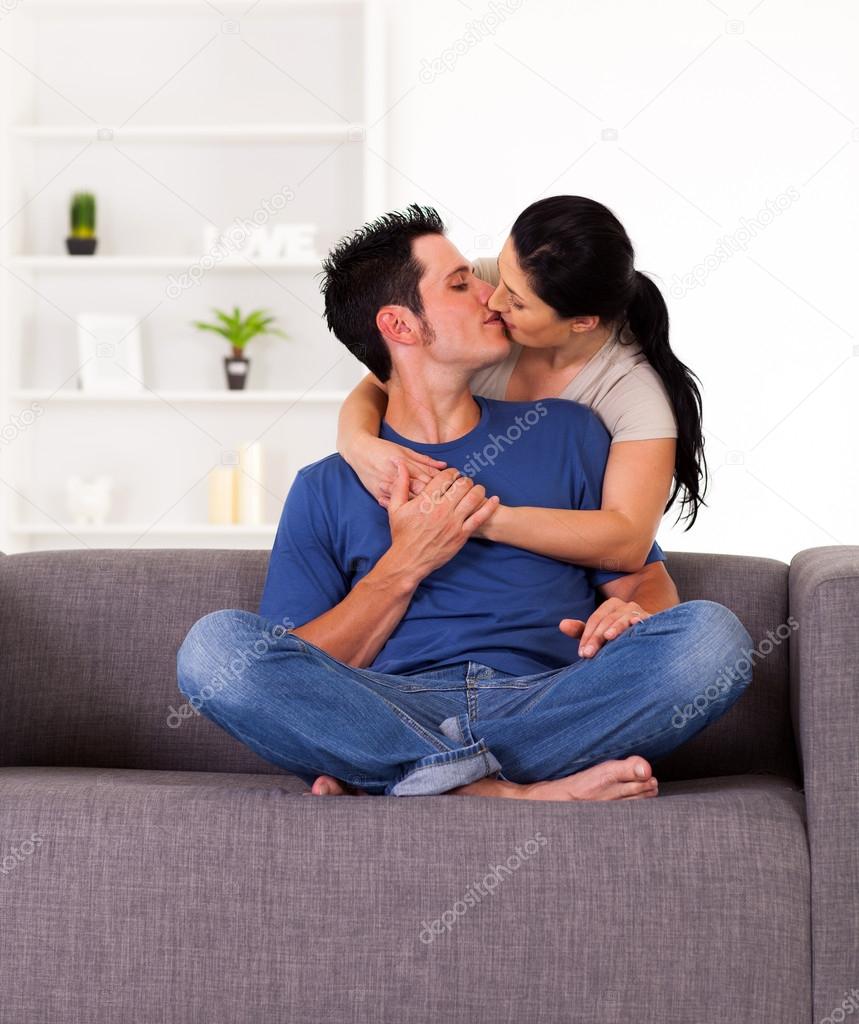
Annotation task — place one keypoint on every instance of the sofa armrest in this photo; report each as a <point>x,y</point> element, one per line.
<point>824,687</point>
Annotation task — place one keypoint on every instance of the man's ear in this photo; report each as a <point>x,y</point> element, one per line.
<point>396,324</point>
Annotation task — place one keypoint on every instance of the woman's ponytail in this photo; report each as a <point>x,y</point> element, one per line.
<point>647,316</point>
<point>580,261</point>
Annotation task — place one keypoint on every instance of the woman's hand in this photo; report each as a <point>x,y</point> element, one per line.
<point>487,531</point>
<point>374,462</point>
<point>610,619</point>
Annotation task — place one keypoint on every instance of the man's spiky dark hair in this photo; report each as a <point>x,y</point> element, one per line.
<point>372,267</point>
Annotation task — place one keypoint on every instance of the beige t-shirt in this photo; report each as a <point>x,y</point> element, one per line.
<point>617,382</point>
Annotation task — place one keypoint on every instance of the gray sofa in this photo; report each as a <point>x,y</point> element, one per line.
<point>152,869</point>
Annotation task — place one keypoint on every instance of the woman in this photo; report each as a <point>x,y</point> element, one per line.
<point>587,326</point>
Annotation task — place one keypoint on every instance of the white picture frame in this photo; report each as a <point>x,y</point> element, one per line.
<point>110,354</point>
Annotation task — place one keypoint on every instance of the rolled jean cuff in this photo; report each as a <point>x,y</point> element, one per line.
<point>438,773</point>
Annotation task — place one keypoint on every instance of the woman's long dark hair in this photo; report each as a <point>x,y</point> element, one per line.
<point>579,260</point>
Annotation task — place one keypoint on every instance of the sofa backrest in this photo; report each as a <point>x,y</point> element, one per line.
<point>89,641</point>
<point>756,736</point>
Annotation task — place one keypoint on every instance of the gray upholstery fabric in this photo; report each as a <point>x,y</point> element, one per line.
<point>824,597</point>
<point>756,735</point>
<point>187,897</point>
<point>92,672</point>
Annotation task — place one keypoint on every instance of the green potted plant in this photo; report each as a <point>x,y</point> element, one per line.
<point>82,240</point>
<point>238,331</point>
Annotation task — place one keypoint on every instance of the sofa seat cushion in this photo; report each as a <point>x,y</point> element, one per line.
<point>184,896</point>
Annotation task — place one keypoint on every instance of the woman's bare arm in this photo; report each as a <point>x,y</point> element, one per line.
<point>362,411</point>
<point>616,537</point>
<point>369,455</point>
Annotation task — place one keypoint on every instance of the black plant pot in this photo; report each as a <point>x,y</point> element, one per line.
<point>81,246</point>
<point>237,371</point>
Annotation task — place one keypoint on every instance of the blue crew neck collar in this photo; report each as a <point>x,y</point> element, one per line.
<point>388,433</point>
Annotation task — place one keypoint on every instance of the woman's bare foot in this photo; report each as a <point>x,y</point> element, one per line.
<point>327,785</point>
<point>629,779</point>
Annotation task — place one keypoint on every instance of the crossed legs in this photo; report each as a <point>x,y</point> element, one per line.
<point>585,732</point>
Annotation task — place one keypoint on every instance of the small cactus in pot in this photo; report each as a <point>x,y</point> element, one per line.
<point>82,240</point>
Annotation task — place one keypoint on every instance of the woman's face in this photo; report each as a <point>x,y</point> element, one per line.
<point>529,320</point>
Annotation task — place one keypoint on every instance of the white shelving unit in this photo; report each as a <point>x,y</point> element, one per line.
<point>29,395</point>
<point>235,102</point>
<point>188,132</point>
<point>265,530</point>
<point>154,264</point>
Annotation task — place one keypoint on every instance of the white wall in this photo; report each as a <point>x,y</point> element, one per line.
<point>722,110</point>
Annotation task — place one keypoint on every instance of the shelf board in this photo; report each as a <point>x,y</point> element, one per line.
<point>252,397</point>
<point>122,529</point>
<point>309,132</point>
<point>156,264</point>
<point>186,6</point>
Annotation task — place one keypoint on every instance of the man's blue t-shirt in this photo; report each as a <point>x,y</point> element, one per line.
<point>491,603</point>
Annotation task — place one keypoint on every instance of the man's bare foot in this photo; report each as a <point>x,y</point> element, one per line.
<point>327,785</point>
<point>629,779</point>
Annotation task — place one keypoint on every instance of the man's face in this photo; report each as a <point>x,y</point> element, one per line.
<point>464,331</point>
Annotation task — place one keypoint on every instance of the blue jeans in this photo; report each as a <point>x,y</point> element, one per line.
<point>646,692</point>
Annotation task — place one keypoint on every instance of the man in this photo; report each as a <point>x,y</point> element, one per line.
<point>424,659</point>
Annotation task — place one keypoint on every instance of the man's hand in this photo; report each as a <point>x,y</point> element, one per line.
<point>429,529</point>
<point>609,620</point>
